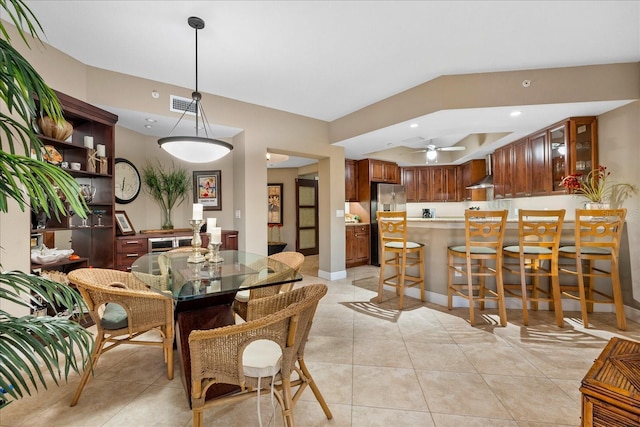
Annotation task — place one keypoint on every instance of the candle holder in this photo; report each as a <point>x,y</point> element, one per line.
<point>196,242</point>
<point>214,252</point>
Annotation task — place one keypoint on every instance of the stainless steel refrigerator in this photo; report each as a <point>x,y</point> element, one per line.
<point>384,197</point>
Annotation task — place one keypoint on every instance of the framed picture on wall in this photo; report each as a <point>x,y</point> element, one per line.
<point>207,189</point>
<point>274,200</point>
<point>124,224</point>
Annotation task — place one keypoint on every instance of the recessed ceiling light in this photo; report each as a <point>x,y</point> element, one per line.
<point>515,113</point>
<point>414,125</point>
<point>148,126</point>
<point>150,120</point>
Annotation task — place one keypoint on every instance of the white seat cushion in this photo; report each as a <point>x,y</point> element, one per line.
<point>261,358</point>
<point>242,296</point>
<point>398,245</point>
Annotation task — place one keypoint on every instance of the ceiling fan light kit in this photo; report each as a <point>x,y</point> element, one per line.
<point>195,149</point>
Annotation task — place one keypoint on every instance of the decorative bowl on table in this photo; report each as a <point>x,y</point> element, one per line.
<point>47,256</point>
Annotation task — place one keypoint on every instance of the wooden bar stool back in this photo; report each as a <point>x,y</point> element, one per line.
<point>484,233</point>
<point>598,234</point>
<point>538,241</point>
<point>399,254</point>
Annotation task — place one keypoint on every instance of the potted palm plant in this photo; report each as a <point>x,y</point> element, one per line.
<point>30,346</point>
<point>167,187</point>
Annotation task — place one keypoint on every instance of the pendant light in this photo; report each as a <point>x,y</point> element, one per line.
<point>195,149</point>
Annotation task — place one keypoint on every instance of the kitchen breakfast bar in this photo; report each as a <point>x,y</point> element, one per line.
<point>437,234</point>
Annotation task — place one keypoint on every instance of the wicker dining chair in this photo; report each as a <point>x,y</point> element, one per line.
<point>122,308</point>
<point>291,259</point>
<point>276,333</point>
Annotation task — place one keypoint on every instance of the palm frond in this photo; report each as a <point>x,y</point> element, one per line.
<point>29,342</point>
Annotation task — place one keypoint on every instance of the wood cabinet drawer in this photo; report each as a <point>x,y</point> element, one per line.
<point>126,259</point>
<point>132,245</point>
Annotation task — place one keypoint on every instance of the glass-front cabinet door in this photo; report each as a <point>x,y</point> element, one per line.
<point>583,144</point>
<point>558,141</point>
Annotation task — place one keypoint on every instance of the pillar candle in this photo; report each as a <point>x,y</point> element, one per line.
<point>211,222</point>
<point>197,211</point>
<point>88,142</point>
<point>100,149</point>
<point>216,235</point>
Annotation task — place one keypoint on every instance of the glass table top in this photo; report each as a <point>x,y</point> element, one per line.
<point>170,273</point>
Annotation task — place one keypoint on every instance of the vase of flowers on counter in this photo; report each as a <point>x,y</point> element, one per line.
<point>601,193</point>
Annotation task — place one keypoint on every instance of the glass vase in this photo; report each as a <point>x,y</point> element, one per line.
<point>166,219</point>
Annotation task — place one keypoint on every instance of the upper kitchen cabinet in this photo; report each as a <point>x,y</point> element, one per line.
<point>351,180</point>
<point>583,145</point>
<point>410,181</point>
<point>502,173</point>
<point>470,172</point>
<point>573,147</point>
<point>381,171</point>
<point>370,170</point>
<point>444,184</point>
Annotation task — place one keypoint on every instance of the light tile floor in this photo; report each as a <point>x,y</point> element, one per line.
<point>375,365</point>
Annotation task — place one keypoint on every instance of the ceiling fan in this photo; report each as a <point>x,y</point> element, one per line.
<point>431,151</point>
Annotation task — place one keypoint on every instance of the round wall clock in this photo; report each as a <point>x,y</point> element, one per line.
<point>127,181</point>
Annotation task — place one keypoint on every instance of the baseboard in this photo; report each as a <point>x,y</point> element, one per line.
<point>336,275</point>
<point>631,313</point>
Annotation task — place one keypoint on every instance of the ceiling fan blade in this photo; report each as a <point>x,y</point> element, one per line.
<point>452,148</point>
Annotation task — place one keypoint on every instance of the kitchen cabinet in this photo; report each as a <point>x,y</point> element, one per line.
<point>502,172</point>
<point>521,176</point>
<point>381,171</point>
<point>573,146</point>
<point>93,240</point>
<point>469,173</point>
<point>130,248</point>
<point>369,171</point>
<point>350,180</point>
<point>444,184</point>
<point>540,159</point>
<point>535,166</point>
<point>424,184</point>
<point>410,182</point>
<point>357,245</point>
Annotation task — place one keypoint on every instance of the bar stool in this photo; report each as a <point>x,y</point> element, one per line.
<point>399,254</point>
<point>598,234</point>
<point>539,239</point>
<point>484,233</point>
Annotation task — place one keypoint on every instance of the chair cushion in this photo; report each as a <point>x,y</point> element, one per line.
<point>586,250</point>
<point>398,245</point>
<point>473,249</point>
<point>533,250</point>
<point>114,317</point>
<point>243,295</point>
<point>261,358</point>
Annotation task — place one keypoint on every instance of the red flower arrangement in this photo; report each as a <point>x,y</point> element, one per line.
<point>594,186</point>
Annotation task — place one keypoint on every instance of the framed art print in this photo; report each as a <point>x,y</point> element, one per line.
<point>207,189</point>
<point>124,224</point>
<point>274,201</point>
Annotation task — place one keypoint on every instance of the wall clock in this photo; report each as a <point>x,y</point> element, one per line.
<point>127,181</point>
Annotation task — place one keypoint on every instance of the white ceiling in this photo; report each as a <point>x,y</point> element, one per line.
<point>325,59</point>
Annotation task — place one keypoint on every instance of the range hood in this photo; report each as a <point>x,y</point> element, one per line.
<point>487,180</point>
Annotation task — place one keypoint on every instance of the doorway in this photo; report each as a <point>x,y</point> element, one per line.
<point>307,216</point>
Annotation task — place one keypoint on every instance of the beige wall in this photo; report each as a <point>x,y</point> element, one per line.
<point>265,128</point>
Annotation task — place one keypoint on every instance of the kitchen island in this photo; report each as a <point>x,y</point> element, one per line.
<point>437,234</point>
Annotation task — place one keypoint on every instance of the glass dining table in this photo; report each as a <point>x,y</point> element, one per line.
<point>203,292</point>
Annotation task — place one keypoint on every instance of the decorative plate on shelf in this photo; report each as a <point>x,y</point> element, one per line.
<point>51,155</point>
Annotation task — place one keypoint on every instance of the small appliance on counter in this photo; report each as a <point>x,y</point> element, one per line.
<point>428,213</point>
